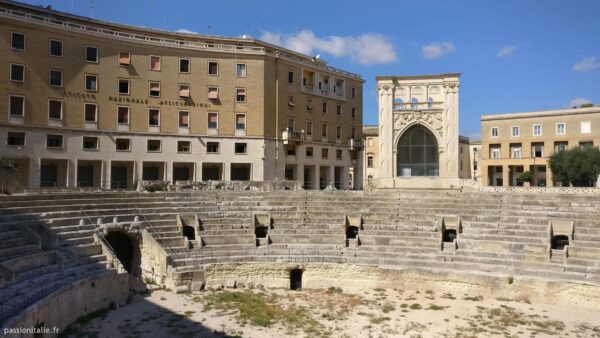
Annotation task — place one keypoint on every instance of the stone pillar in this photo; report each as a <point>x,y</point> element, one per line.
<point>449,160</point>
<point>505,176</point>
<point>35,164</point>
<point>71,173</point>
<point>386,129</point>
<point>549,178</point>
<point>317,173</point>
<point>331,175</point>
<point>168,171</point>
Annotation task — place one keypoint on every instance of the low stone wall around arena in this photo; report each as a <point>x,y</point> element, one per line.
<point>353,277</point>
<point>66,305</point>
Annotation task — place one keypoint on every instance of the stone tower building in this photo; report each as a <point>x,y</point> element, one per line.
<point>418,131</point>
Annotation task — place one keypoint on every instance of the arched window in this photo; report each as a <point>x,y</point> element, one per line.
<point>418,153</point>
<point>414,103</point>
<point>429,103</point>
<point>398,103</point>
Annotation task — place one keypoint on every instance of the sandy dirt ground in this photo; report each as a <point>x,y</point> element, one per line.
<point>337,313</point>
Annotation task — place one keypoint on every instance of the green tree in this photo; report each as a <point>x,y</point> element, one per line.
<point>578,166</point>
<point>526,176</point>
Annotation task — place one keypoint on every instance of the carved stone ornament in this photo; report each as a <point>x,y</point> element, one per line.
<point>451,87</point>
<point>430,118</point>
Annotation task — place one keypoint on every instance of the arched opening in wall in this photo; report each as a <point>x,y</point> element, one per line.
<point>430,103</point>
<point>414,103</point>
<point>418,153</point>
<point>296,279</point>
<point>126,249</point>
<point>351,232</point>
<point>448,235</point>
<point>559,242</point>
<point>189,232</point>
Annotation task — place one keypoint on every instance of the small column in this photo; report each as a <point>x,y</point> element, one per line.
<point>331,175</point>
<point>505,176</point>
<point>71,179</point>
<point>317,174</point>
<point>168,171</point>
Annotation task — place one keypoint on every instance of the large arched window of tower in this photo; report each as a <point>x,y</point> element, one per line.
<point>418,153</point>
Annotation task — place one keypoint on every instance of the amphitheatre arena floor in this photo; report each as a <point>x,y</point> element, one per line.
<point>335,312</point>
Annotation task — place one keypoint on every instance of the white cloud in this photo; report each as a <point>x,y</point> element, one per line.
<point>586,65</point>
<point>576,102</point>
<point>437,50</point>
<point>506,51</point>
<point>186,31</point>
<point>366,49</point>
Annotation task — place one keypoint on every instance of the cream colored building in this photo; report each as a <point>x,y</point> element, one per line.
<point>475,160</point>
<point>514,143</point>
<point>418,131</point>
<point>91,103</point>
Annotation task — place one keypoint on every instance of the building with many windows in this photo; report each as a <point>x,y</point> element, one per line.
<point>90,104</point>
<point>514,143</point>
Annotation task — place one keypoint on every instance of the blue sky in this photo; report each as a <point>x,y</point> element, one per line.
<point>513,55</point>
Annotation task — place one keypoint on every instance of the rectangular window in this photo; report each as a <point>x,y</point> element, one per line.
<point>291,103</point>
<point>324,153</point>
<point>309,128</point>
<point>560,146</point>
<point>339,154</point>
<point>561,128</point>
<point>338,110</point>
<point>240,148</point>
<point>15,139</point>
<point>90,143</point>
<point>495,152</point>
<point>124,86</point>
<point>324,109</point>
<point>91,110</point>
<point>515,151</point>
<point>55,108</point>
<point>290,76</point>
<point>309,152</point>
<point>212,147</point>
<point>17,73</point>
<point>184,66</point>
<point>353,92</point>
<point>240,95</point>
<point>56,78</point>
<point>240,70</point>
<point>213,121</point>
<point>123,115</point>
<point>370,161</point>
<point>56,48</point>
<point>16,105</point>
<point>240,121</point>
<point>353,112</point>
<point>515,131</point>
<point>586,127</point>
<point>586,144</point>
<point>537,150</point>
<point>124,59</point>
<point>91,54</point>
<point>17,41</point>
<point>123,144</point>
<point>290,124</point>
<point>494,131</point>
<point>184,119</point>
<point>155,63</point>
<point>338,132</point>
<point>184,91</point>
<point>309,105</point>
<point>183,146</point>
<point>213,68</point>
<point>213,93</point>
<point>91,83</point>
<point>353,133</point>
<point>537,130</point>
<point>154,89</point>
<point>324,130</point>
<point>153,117</point>
<point>54,141</point>
<point>153,146</point>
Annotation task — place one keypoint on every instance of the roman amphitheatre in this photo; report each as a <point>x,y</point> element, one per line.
<point>270,259</point>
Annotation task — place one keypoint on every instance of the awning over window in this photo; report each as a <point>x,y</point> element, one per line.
<point>291,104</point>
<point>184,92</point>
<point>213,95</point>
<point>124,59</point>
